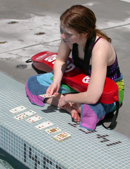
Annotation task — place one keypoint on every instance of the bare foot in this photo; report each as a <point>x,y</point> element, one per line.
<point>74,113</point>
<point>73,109</point>
<point>77,107</point>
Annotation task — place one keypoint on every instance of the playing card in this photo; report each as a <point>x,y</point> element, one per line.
<point>44,125</point>
<point>17,109</point>
<point>46,95</point>
<point>34,119</point>
<point>52,130</point>
<point>24,115</point>
<point>62,136</point>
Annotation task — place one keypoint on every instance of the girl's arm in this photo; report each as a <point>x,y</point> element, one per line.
<point>60,63</point>
<point>101,57</point>
<point>59,68</point>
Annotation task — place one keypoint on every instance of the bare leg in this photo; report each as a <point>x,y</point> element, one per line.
<point>73,109</point>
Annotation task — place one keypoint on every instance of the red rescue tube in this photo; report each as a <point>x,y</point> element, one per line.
<point>75,77</point>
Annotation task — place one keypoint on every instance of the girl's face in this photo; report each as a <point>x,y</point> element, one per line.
<point>70,36</point>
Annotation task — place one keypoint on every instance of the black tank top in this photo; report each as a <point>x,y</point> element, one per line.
<point>113,70</point>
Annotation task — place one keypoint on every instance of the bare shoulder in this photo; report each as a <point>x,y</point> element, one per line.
<point>104,50</point>
<point>103,44</point>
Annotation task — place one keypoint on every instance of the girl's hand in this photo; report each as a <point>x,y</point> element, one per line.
<point>53,89</point>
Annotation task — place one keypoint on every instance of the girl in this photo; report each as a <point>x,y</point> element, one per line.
<point>93,52</point>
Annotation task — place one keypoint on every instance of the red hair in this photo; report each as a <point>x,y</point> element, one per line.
<point>82,20</point>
